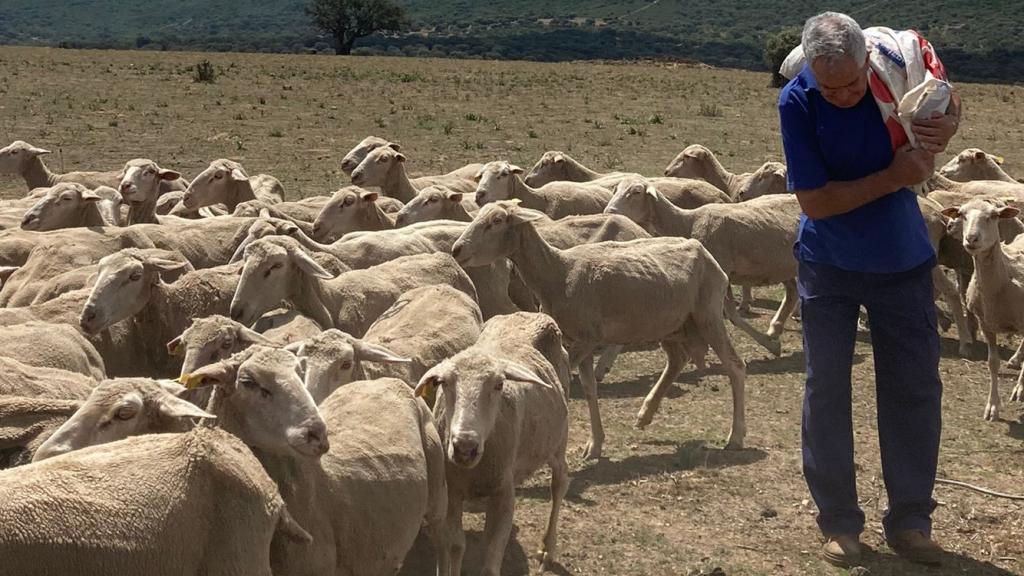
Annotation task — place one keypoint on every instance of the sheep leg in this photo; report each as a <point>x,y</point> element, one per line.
<point>714,333</point>
<point>1018,391</point>
<point>789,301</point>
<point>582,356</point>
<point>772,345</point>
<point>456,536</point>
<point>944,286</point>
<point>747,301</point>
<point>605,361</point>
<point>497,528</point>
<point>559,485</point>
<point>1017,360</point>
<point>992,406</point>
<point>675,357</point>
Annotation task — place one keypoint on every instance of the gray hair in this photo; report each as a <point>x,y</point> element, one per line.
<point>832,35</point>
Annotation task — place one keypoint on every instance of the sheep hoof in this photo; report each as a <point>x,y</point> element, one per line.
<point>643,419</point>
<point>1013,363</point>
<point>775,347</point>
<point>965,351</point>
<point>991,412</point>
<point>592,451</point>
<point>547,559</point>
<point>1018,393</point>
<point>734,444</point>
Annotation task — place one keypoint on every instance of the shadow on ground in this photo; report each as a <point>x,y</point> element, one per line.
<point>421,559</point>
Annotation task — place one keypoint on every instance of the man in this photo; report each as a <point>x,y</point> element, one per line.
<point>863,242</point>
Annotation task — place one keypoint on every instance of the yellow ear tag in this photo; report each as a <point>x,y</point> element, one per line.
<point>191,381</point>
<point>426,389</point>
<point>999,159</point>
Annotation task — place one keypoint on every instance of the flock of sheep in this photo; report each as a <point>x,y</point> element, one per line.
<point>201,377</point>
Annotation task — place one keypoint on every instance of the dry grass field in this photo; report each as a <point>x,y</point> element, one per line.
<point>667,500</point>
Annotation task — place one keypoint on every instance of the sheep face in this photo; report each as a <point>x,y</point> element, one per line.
<point>15,157</point>
<point>692,162</point>
<point>429,204</point>
<point>117,409</point>
<point>210,340</point>
<point>492,234</point>
<point>272,271</point>
<point>549,168</point>
<point>332,358</point>
<point>140,180</point>
<point>262,228</point>
<point>496,181</point>
<point>770,178</point>
<point>265,402</point>
<point>357,154</point>
<point>124,281</point>
<point>633,199</point>
<point>374,169</point>
<point>972,164</point>
<point>979,223</point>
<point>60,207</point>
<point>472,389</point>
<point>342,213</point>
<point>214,185</point>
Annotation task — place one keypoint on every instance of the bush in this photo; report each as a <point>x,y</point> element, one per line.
<point>776,48</point>
<point>204,73</point>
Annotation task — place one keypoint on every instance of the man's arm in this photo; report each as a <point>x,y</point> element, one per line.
<point>839,197</point>
<point>935,133</point>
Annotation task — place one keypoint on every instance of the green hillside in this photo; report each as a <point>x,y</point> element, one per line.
<point>979,39</point>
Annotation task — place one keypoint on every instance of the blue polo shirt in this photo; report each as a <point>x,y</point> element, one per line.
<point>822,143</point>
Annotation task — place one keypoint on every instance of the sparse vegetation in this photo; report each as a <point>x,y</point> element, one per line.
<point>204,72</point>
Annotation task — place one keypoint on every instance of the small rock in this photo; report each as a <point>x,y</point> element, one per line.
<point>859,571</point>
<point>769,513</point>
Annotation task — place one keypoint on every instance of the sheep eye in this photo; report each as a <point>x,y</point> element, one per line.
<point>135,277</point>
<point>218,175</point>
<point>125,413</point>
<point>247,382</point>
<point>431,200</point>
<point>346,365</point>
<point>499,385</point>
<point>265,394</point>
<point>227,344</point>
<point>350,200</point>
<point>497,221</point>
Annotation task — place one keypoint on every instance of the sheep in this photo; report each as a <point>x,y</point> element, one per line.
<point>334,358</point>
<point>277,269</point>
<point>502,414</point>
<point>728,231</point>
<point>350,210</point>
<point>24,159</point>
<point>995,288</point>
<point>376,482</point>
<point>141,186</point>
<point>68,205</point>
<point>47,345</point>
<point>502,181</point>
<point>158,504</point>
<point>226,182</point>
<point>286,326</point>
<point>385,168</point>
<point>18,378</point>
<point>211,339</point>
<point>696,161</point>
<point>558,166</point>
<point>205,243</point>
<point>974,164</point>
<point>667,290</point>
<point>27,423</point>
<point>434,203</point>
<point>358,154</point>
<point>304,209</point>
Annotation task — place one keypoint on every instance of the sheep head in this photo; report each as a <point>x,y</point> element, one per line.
<point>273,270</point>
<point>493,233</point>
<point>59,207</point>
<point>215,185</point>
<point>496,181</point>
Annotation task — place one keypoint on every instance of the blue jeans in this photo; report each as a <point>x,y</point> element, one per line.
<point>905,343</point>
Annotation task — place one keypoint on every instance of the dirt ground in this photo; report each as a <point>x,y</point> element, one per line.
<point>666,500</point>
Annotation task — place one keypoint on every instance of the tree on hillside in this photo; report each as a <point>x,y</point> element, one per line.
<point>348,20</point>
<point>776,48</point>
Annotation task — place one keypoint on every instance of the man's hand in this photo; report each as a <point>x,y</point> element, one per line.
<point>910,167</point>
<point>935,133</point>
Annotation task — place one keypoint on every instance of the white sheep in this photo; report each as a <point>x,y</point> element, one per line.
<point>334,358</point>
<point>503,181</point>
<point>975,164</point>
<point>68,205</point>
<point>995,293</point>
<point>667,290</point>
<point>25,380</point>
<point>141,186</point>
<point>357,154</point>
<point>226,182</point>
<point>27,423</point>
<point>435,203</point>
<point>384,167</point>
<point>350,209</point>
<point>501,412</point>
<point>556,166</point>
<point>696,161</point>
<point>49,345</point>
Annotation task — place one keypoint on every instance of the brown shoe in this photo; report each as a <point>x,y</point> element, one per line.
<point>916,546</point>
<point>842,550</point>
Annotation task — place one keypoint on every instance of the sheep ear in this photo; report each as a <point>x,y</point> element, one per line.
<point>173,407</point>
<point>515,169</point>
<point>516,371</point>
<point>296,348</point>
<point>367,352</point>
<point>174,346</point>
<point>559,158</point>
<point>89,196</point>
<point>652,191</point>
<point>524,215</point>
<point>400,157</point>
<point>368,196</point>
<point>979,155</point>
<point>221,374</point>
<point>428,384</point>
<point>168,270</point>
<point>253,337</point>
<point>1009,212</point>
<point>310,266</point>
<point>240,251</point>
<point>36,151</point>
<point>479,174</point>
<point>453,196</point>
<point>239,175</point>
<point>6,271</point>
<point>952,213</point>
<point>394,146</point>
<point>169,174</point>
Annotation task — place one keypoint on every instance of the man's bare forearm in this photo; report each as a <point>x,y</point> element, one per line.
<point>838,197</point>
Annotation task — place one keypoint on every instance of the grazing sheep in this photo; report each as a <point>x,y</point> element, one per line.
<point>995,294</point>
<point>502,181</point>
<point>501,412</point>
<point>27,422</point>
<point>226,182</point>
<point>350,210</point>
<point>358,154</point>
<point>24,159</point>
<point>48,345</point>
<point>974,164</point>
<point>696,161</point>
<point>729,232</point>
<point>556,166</point>
<point>378,479</point>
<point>163,504</point>
<point>435,203</point>
<point>333,358</point>
<point>69,205</point>
<point>667,290</point>
<point>384,167</point>
<point>277,269</point>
